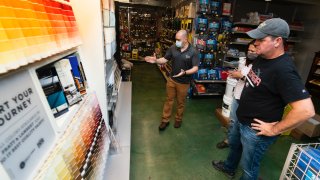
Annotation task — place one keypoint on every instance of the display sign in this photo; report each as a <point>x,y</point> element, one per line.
<point>25,130</point>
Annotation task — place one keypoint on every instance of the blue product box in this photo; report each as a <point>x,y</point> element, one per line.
<point>202,74</point>
<point>214,26</point>
<point>215,7</point>
<point>212,44</point>
<point>212,74</point>
<point>202,24</point>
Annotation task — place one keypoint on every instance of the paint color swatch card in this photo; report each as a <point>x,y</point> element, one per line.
<point>81,152</point>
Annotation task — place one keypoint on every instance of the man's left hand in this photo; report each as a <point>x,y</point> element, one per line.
<point>182,73</point>
<point>264,128</point>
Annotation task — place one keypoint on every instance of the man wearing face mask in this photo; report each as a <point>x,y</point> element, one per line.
<point>238,74</point>
<point>185,62</point>
<point>271,84</point>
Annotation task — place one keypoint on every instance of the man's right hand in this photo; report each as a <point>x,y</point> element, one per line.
<point>151,59</point>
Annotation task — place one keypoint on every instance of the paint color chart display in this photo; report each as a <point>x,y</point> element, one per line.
<point>82,151</point>
<point>34,29</point>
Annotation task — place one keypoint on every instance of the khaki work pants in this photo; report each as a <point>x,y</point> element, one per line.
<point>178,91</point>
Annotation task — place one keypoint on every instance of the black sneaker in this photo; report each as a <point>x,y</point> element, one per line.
<point>163,126</point>
<point>222,145</point>
<point>177,124</point>
<point>219,165</point>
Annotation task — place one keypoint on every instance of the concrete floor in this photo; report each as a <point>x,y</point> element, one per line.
<point>184,153</point>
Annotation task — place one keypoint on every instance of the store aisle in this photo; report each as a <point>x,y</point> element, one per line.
<point>184,153</point>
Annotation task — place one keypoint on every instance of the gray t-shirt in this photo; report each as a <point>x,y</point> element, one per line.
<point>182,60</point>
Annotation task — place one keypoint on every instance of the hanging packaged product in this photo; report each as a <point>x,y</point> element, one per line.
<point>201,58</point>
<point>126,47</point>
<point>202,74</point>
<point>212,74</point>
<point>214,27</point>
<point>202,24</point>
<point>226,9</point>
<point>215,7</point>
<point>203,6</point>
<point>201,42</point>
<point>226,25</point>
<point>218,72</point>
<point>211,45</point>
<point>208,59</point>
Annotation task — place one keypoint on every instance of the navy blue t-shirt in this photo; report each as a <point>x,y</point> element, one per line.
<point>270,86</point>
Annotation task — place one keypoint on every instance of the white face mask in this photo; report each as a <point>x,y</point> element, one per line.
<point>252,56</point>
<point>179,44</point>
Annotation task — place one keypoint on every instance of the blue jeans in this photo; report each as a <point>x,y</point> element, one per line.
<point>246,146</point>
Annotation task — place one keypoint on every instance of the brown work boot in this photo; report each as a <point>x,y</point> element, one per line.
<point>177,124</point>
<point>163,126</point>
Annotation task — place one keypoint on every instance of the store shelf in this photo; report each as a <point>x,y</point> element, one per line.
<point>294,40</point>
<point>110,67</point>
<point>209,81</point>
<point>140,59</point>
<point>206,94</point>
<point>315,82</point>
<point>167,41</point>
<point>240,43</point>
<point>296,28</point>
<point>229,56</point>
<point>244,24</point>
<point>238,32</point>
<point>118,165</point>
<point>232,64</point>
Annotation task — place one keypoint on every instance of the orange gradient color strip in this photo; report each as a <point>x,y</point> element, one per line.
<point>31,30</point>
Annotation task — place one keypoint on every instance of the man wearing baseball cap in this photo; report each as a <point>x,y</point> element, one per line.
<point>271,84</point>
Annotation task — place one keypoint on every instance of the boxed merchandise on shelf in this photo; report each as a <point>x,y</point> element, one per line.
<point>139,30</point>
